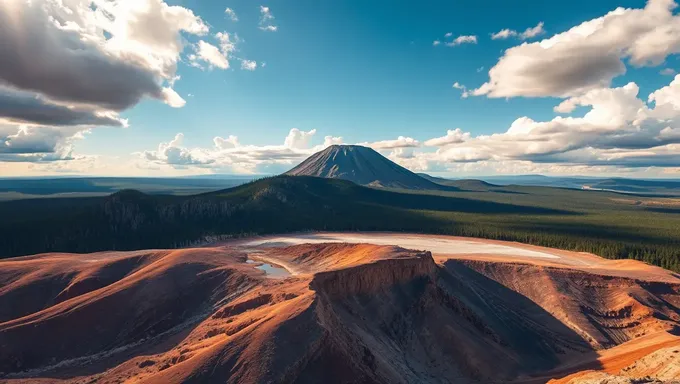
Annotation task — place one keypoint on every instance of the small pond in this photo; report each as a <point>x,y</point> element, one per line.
<point>271,270</point>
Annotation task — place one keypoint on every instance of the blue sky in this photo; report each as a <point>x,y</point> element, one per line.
<point>360,71</point>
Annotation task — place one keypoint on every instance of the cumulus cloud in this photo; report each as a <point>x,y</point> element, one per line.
<point>173,153</point>
<point>463,39</point>
<point>667,72</point>
<point>109,55</point>
<point>399,142</point>
<point>229,154</point>
<point>620,129</point>
<point>248,65</point>
<point>229,142</point>
<point>453,136</point>
<point>588,55</point>
<point>69,66</point>
<point>28,108</point>
<point>331,140</point>
<point>267,20</point>
<point>503,34</point>
<point>436,43</point>
<point>213,56</point>
<point>31,143</point>
<point>172,98</point>
<point>231,14</point>
<point>527,34</point>
<point>298,139</point>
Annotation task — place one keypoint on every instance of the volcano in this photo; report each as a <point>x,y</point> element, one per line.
<point>361,165</point>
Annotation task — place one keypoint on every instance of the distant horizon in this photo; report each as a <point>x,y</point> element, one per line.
<point>251,176</point>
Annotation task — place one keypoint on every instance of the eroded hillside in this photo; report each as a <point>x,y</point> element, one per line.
<point>340,313</point>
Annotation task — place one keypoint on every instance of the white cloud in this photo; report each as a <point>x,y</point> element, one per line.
<point>503,34</point>
<point>214,56</point>
<point>231,14</point>
<point>298,139</point>
<point>173,153</point>
<point>436,43</point>
<point>469,39</point>
<point>172,98</point>
<point>227,42</point>
<point>331,140</point>
<point>667,72</point>
<point>248,65</point>
<point>530,33</point>
<point>67,67</point>
<point>453,136</point>
<point>211,55</point>
<point>33,143</point>
<point>465,93</point>
<point>267,20</point>
<point>619,133</point>
<point>400,142</point>
<point>527,34</point>
<point>228,154</point>
<point>619,130</point>
<point>587,56</point>
<point>229,142</point>
<point>109,55</point>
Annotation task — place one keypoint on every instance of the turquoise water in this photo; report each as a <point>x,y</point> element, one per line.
<point>271,270</point>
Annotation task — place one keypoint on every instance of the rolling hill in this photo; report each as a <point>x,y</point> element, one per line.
<point>130,219</point>
<point>361,165</point>
<point>463,184</point>
<point>597,222</point>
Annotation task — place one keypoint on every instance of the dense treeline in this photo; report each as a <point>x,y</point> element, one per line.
<point>132,220</point>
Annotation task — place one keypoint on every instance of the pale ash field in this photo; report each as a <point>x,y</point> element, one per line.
<point>451,247</point>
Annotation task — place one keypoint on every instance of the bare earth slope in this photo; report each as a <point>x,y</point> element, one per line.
<point>361,165</point>
<point>339,312</point>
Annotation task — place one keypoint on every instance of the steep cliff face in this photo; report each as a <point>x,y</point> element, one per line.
<point>605,310</point>
<point>348,313</point>
<point>376,276</point>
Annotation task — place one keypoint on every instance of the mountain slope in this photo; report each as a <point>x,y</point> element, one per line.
<point>462,184</point>
<point>132,220</point>
<point>361,165</point>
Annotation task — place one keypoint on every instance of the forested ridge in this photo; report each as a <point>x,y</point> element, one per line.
<point>567,219</point>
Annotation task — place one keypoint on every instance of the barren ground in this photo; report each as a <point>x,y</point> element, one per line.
<point>337,307</point>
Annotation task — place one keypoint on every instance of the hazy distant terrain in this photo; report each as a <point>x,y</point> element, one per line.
<point>341,188</point>
<point>25,188</point>
<point>608,224</point>
<point>21,188</point>
<point>632,186</point>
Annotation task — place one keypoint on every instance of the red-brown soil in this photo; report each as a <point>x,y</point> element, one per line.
<point>348,313</point>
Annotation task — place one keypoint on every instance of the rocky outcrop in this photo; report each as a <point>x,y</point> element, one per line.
<point>370,278</point>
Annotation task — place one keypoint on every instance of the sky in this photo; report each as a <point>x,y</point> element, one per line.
<point>452,88</point>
